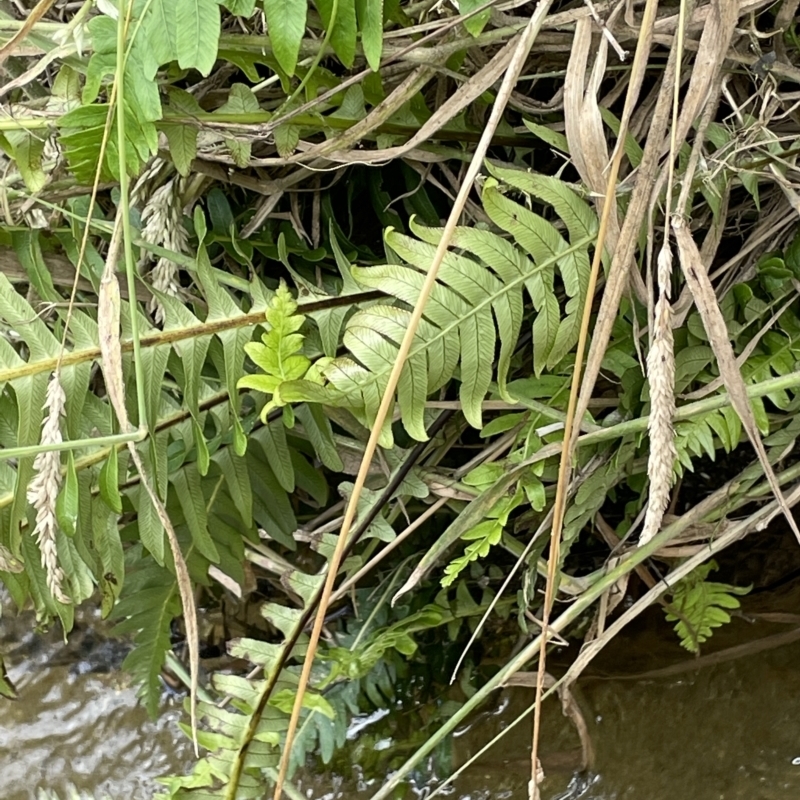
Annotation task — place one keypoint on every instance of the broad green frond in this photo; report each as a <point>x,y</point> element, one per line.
<point>474,315</point>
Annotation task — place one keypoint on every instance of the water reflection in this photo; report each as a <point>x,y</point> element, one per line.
<point>727,732</point>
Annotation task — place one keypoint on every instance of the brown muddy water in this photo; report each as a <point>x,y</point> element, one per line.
<point>725,732</point>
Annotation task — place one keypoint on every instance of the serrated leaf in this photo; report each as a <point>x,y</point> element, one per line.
<point>149,612</point>
<point>318,429</point>
<point>193,504</point>
<point>273,439</point>
<point>545,331</point>
<point>151,531</point>
<point>241,100</point>
<point>160,26</point>
<point>234,468</point>
<point>182,140</point>
<point>286,137</point>
<point>108,483</point>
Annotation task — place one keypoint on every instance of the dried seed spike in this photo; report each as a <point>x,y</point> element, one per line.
<point>163,225</point>
<point>43,489</point>
<point>661,378</point>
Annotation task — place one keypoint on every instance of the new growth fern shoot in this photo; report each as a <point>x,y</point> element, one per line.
<point>279,355</point>
<point>699,605</point>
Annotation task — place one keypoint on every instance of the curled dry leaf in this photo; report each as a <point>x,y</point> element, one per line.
<point>706,301</point>
<point>108,323</point>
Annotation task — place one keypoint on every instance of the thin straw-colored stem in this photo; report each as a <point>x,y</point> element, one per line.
<point>507,86</point>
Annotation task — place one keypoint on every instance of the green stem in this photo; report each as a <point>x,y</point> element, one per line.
<point>124,208</point>
<point>74,444</point>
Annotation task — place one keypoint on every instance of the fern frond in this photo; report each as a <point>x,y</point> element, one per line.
<point>149,604</point>
<point>475,309</point>
<point>699,605</point>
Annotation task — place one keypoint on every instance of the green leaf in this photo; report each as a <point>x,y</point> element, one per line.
<point>68,499</point>
<point>698,606</point>
<point>273,439</point>
<point>318,429</point>
<point>197,28</point>
<point>193,504</point>
<point>553,138</point>
<point>28,149</point>
<point>109,483</point>
<point>279,353</point>
<point>545,331</point>
<point>241,100</point>
<point>243,8</point>
<point>286,138</point>
<point>477,22</point>
<point>107,544</point>
<point>151,530</point>
<point>234,468</point>
<point>182,140</point>
<point>201,448</point>
<point>160,25</point>
<point>147,609</point>
<point>7,689</point>
<point>284,700</point>
<point>343,27</point>
<point>286,24</point>
<point>370,23</point>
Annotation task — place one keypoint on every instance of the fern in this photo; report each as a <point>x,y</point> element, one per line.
<point>279,355</point>
<point>475,306</point>
<point>147,609</point>
<point>698,606</point>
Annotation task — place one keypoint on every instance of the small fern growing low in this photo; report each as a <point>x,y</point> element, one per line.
<point>699,605</point>
<point>279,354</point>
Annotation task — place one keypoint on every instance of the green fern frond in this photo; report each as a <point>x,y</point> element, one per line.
<point>698,606</point>
<point>475,308</point>
<point>148,606</point>
<point>279,355</point>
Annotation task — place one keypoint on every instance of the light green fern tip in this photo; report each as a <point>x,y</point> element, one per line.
<point>698,606</point>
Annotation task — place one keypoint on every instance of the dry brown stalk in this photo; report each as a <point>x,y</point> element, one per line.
<point>706,301</point>
<point>574,409</point>
<point>622,258</point>
<point>514,69</point>
<point>108,324</point>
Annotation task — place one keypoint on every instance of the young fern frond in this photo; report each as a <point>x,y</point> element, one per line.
<point>701,605</point>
